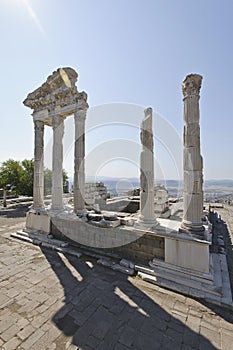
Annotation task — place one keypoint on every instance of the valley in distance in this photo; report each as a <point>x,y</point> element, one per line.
<point>220,191</point>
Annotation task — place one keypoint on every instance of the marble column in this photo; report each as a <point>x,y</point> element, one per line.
<point>192,159</point>
<point>38,183</point>
<point>57,163</point>
<point>147,215</point>
<point>79,160</point>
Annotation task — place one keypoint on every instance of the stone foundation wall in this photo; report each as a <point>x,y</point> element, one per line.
<point>124,242</point>
<point>143,249</point>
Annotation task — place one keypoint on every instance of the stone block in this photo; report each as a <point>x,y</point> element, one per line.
<point>188,254</point>
<point>192,159</point>
<point>38,221</point>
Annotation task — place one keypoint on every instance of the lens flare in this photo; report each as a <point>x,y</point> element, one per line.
<point>33,16</point>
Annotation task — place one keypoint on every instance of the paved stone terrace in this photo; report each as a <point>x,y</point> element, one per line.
<point>51,301</point>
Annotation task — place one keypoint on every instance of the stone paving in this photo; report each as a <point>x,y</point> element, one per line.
<point>51,301</point>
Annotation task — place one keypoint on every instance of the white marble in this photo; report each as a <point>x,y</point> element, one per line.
<point>38,221</point>
<point>147,215</point>
<point>193,164</point>
<point>57,162</point>
<point>79,160</point>
<point>188,254</point>
<point>38,183</point>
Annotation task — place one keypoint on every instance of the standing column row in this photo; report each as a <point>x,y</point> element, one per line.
<point>192,159</point>
<point>79,160</point>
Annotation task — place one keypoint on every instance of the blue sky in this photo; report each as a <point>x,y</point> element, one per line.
<point>128,51</point>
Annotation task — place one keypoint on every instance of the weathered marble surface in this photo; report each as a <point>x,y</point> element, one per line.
<point>147,170</point>
<point>193,163</point>
<point>58,90</point>
<point>57,179</point>
<point>79,160</point>
<point>38,183</point>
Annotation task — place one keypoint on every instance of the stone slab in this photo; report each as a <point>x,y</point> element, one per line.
<point>38,221</point>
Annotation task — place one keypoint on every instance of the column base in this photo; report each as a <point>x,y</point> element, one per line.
<point>146,223</point>
<point>192,228</point>
<point>56,209</point>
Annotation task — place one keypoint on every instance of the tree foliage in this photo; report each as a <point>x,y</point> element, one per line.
<point>17,177</point>
<point>48,181</point>
<point>10,175</point>
<point>26,181</point>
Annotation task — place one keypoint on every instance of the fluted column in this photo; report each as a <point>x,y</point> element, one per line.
<point>147,214</point>
<point>57,162</point>
<point>79,160</point>
<point>38,183</point>
<point>192,159</point>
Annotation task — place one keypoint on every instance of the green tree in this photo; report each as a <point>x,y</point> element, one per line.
<point>10,174</point>
<point>48,181</point>
<point>18,177</point>
<point>65,181</point>
<point>26,180</point>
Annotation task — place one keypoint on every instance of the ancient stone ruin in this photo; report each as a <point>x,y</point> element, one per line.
<point>176,252</point>
<point>52,103</point>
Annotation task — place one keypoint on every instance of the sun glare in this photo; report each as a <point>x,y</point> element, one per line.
<point>33,15</point>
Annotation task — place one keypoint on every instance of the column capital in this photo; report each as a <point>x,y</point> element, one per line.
<point>38,125</point>
<point>191,85</point>
<point>80,114</point>
<point>57,120</point>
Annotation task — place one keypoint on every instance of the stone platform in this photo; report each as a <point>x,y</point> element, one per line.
<point>177,260</point>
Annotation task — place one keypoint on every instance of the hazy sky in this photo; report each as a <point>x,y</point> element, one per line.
<point>125,51</point>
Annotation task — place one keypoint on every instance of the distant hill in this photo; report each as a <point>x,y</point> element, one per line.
<point>219,183</point>
<point>115,184</point>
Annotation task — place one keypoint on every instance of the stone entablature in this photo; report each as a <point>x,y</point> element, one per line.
<point>58,95</point>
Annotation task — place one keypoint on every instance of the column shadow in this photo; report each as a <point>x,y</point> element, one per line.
<point>104,310</point>
<point>18,212</point>
<point>220,230</point>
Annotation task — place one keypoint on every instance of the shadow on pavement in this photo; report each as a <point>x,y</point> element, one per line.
<point>104,310</point>
<point>18,212</point>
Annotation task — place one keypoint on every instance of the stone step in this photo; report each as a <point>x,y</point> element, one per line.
<point>61,250</point>
<point>222,301</point>
<point>43,241</point>
<point>155,270</point>
<point>164,283</point>
<point>25,238</point>
<point>172,278</point>
<point>181,288</point>
<point>225,276</point>
<point>180,271</point>
<point>116,267</point>
<point>43,238</point>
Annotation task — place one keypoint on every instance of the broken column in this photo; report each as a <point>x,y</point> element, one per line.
<point>79,160</point>
<point>193,164</point>
<point>38,183</point>
<point>147,215</point>
<point>57,178</point>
